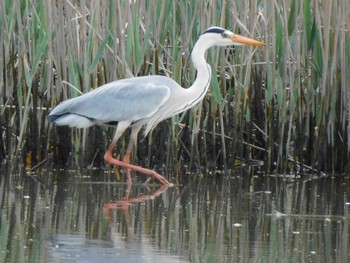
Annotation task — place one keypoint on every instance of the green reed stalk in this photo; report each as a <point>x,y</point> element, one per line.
<point>290,98</point>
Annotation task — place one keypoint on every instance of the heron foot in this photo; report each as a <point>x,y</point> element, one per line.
<point>158,177</point>
<point>127,166</point>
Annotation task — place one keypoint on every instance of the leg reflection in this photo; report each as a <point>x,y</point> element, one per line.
<point>127,200</point>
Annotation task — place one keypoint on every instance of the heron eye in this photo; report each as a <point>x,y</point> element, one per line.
<point>224,35</point>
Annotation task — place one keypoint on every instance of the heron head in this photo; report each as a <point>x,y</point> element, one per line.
<point>222,37</point>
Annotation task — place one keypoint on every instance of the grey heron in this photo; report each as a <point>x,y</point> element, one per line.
<point>144,101</point>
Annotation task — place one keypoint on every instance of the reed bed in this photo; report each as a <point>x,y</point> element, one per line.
<point>286,105</point>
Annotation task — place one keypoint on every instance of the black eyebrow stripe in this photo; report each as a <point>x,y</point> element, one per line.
<point>217,30</point>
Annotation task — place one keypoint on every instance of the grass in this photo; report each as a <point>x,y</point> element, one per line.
<point>286,104</point>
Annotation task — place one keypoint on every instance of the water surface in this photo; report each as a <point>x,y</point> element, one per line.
<point>68,215</point>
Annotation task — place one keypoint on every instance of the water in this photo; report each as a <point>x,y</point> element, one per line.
<point>54,215</point>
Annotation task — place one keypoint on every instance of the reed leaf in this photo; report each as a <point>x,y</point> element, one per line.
<point>292,18</point>
<point>307,12</point>
<point>99,54</point>
<point>216,88</point>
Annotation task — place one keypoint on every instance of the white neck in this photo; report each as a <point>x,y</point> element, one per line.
<point>201,84</point>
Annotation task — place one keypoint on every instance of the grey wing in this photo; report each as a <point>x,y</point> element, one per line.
<point>126,100</point>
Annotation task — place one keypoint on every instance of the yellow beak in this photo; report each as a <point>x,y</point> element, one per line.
<point>246,40</point>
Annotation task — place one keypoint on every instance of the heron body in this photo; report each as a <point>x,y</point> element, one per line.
<point>113,101</point>
<point>143,101</point>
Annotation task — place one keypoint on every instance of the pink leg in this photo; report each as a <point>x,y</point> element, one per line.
<point>109,158</point>
<point>126,160</point>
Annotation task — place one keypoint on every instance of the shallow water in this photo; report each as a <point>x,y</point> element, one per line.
<point>54,215</point>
